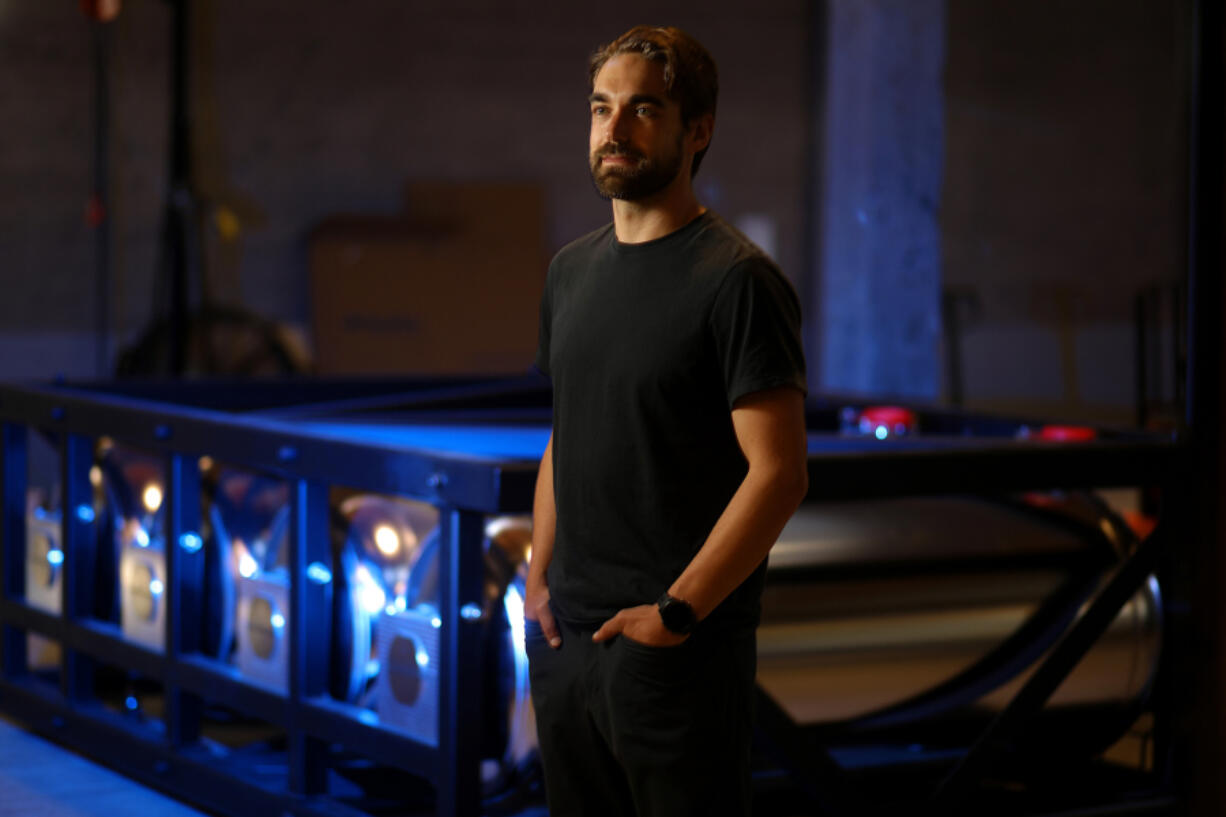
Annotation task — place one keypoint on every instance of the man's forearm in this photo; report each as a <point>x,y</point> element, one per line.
<point>742,536</point>
<point>544,522</point>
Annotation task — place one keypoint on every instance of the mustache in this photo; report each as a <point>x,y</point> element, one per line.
<point>613,149</point>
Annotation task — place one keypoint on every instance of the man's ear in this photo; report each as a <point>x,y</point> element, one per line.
<point>700,130</point>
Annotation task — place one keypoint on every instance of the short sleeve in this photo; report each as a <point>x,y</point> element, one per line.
<point>546,325</point>
<point>755,320</point>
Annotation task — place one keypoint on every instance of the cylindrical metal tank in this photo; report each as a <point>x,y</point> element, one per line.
<point>886,611</point>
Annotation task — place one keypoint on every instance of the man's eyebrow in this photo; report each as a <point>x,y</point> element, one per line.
<point>637,99</point>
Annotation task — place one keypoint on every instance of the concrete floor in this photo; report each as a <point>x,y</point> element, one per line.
<point>40,779</point>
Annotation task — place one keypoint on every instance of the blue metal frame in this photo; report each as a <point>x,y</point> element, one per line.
<point>465,489</point>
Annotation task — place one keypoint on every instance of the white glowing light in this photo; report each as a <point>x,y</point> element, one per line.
<point>156,587</point>
<point>140,536</point>
<point>246,565</point>
<point>390,609</point>
<point>277,620</point>
<point>55,556</point>
<point>423,659</point>
<point>881,433</point>
<point>152,497</point>
<point>387,540</point>
<point>370,595</point>
<point>436,622</point>
<point>513,603</point>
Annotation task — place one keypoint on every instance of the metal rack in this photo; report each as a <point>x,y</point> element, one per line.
<point>464,489</point>
<point>167,754</point>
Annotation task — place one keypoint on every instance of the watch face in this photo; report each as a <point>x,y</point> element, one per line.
<point>677,615</point>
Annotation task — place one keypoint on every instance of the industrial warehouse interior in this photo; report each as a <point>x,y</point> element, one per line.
<point>272,415</point>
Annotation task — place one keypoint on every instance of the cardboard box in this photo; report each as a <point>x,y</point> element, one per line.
<point>453,286</point>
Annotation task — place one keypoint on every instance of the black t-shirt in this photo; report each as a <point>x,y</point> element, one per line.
<point>649,345</point>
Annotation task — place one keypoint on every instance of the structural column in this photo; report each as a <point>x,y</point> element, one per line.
<point>879,180</point>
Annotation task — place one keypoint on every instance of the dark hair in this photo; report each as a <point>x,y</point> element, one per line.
<point>690,75</point>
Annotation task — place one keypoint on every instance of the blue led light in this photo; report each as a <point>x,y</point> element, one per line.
<point>85,513</point>
<point>470,612</point>
<point>131,703</point>
<point>55,557</point>
<point>319,573</point>
<point>156,587</point>
<point>881,433</point>
<point>191,542</point>
<point>423,659</point>
<point>277,620</point>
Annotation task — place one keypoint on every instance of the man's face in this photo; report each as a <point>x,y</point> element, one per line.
<point>637,145</point>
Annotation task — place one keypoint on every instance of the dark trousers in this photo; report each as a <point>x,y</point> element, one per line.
<point>626,729</point>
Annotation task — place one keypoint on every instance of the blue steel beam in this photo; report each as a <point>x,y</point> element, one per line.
<point>460,716</point>
<point>267,445</point>
<point>76,458</point>
<point>184,591</point>
<point>13,476</point>
<point>357,730</point>
<point>310,620</point>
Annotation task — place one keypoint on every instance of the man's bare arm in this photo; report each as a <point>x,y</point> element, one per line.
<point>770,428</point>
<point>544,523</point>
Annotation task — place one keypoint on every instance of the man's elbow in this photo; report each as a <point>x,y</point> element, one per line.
<point>790,482</point>
<point>799,482</point>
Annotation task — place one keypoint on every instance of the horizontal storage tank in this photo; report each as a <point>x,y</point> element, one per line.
<point>885,612</point>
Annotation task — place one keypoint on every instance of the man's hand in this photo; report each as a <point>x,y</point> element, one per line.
<point>536,608</point>
<point>642,624</point>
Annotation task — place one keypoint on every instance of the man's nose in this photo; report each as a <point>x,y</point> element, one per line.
<point>618,126</point>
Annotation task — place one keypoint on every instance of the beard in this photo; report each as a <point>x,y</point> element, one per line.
<point>640,181</point>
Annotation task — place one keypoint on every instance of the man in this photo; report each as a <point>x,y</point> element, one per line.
<point>677,455</point>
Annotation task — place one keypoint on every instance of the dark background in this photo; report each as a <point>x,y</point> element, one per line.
<point>1022,163</point>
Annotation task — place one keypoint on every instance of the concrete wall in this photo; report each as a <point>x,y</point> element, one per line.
<point>310,108</point>
<point>1064,193</point>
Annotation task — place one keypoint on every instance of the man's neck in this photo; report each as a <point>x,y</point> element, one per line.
<point>635,222</point>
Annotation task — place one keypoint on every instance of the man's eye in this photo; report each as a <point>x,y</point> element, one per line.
<point>644,110</point>
<point>599,110</point>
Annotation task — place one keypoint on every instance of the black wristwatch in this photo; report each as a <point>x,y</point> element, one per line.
<point>678,615</point>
